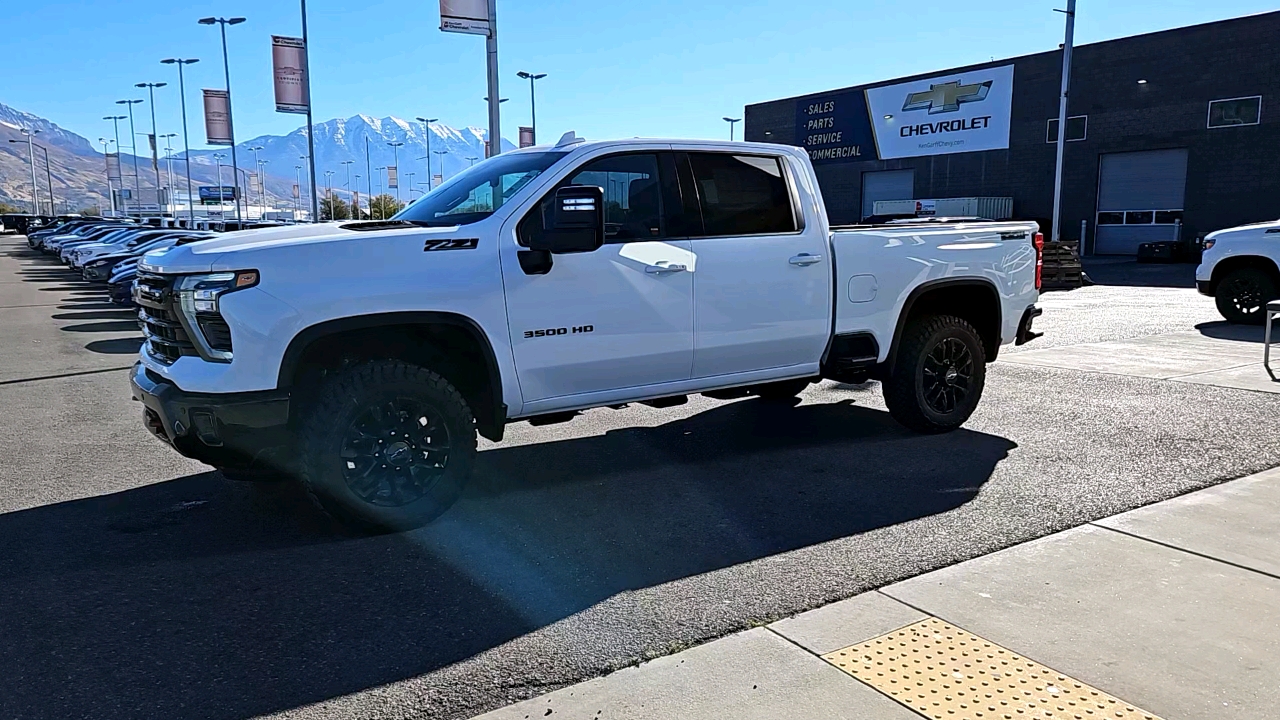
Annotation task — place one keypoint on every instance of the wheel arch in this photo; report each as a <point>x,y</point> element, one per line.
<point>975,300</point>
<point>1237,262</point>
<point>416,331</point>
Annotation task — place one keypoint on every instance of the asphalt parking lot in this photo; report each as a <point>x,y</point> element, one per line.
<point>134,583</point>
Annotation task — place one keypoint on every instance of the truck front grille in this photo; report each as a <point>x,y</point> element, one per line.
<point>166,337</point>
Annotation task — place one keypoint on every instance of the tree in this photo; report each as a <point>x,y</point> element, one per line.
<point>91,211</point>
<point>7,208</point>
<point>334,208</point>
<point>384,206</point>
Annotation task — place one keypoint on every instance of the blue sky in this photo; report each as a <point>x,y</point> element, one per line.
<point>645,67</point>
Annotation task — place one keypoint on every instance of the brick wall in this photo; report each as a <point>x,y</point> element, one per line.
<point>1233,174</point>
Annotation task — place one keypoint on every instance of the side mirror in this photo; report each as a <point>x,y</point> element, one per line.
<point>576,223</point>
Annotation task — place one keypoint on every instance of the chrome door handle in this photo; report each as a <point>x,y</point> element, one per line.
<point>664,269</point>
<point>805,259</point>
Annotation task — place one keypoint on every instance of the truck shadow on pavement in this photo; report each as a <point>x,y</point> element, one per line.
<point>197,597</point>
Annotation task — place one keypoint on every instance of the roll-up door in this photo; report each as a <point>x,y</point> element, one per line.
<point>1140,199</point>
<point>886,185</point>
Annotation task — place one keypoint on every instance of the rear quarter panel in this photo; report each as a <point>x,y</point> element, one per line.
<point>877,268</point>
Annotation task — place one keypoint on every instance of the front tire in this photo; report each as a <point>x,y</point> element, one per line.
<point>387,446</point>
<point>1243,294</point>
<point>938,376</point>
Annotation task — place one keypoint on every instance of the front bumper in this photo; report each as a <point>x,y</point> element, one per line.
<point>232,430</point>
<point>1205,287</point>
<point>100,272</point>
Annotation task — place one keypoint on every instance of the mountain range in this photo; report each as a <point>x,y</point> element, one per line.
<point>77,170</point>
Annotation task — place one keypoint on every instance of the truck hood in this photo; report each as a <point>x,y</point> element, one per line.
<point>1256,230</point>
<point>227,252</point>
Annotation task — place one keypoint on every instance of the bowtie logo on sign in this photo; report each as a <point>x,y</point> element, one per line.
<point>946,97</point>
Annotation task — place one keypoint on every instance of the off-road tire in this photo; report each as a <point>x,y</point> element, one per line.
<point>911,393</point>
<point>1242,296</point>
<point>327,431</point>
<point>780,391</point>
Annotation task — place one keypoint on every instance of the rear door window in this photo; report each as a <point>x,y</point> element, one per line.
<point>742,194</point>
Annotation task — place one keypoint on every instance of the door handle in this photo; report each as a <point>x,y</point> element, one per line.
<point>805,259</point>
<point>661,269</point>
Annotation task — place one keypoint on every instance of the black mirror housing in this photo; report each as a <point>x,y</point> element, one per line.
<point>576,223</point>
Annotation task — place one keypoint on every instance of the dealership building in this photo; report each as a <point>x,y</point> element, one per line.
<point>1170,135</point>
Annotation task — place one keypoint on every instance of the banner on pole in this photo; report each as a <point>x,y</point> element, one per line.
<point>289,67</point>
<point>393,177</point>
<point>355,205</point>
<point>526,137</point>
<point>113,167</point>
<point>217,117</point>
<point>255,184</point>
<point>465,16</point>
<point>438,179</point>
<point>295,191</point>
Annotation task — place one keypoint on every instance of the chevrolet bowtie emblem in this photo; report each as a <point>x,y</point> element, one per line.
<point>947,96</point>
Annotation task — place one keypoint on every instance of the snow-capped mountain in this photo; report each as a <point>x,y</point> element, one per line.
<point>48,132</point>
<point>340,140</point>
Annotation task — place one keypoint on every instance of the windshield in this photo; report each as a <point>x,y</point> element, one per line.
<point>475,193</point>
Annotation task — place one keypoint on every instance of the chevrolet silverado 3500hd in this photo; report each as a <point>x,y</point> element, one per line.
<point>363,358</point>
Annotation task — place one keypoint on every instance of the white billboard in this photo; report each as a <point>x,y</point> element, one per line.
<point>217,117</point>
<point>465,16</point>
<point>964,112</point>
<point>289,68</point>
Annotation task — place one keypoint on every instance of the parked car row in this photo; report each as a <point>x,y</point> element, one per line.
<point>107,250</point>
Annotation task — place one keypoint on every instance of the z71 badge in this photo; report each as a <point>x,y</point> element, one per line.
<point>451,244</point>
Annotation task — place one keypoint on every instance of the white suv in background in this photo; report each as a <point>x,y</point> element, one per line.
<point>1240,269</point>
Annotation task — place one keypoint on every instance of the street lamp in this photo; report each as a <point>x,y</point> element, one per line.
<point>133,143</point>
<point>168,158</point>
<point>297,189</point>
<point>182,96</point>
<point>110,192</point>
<point>426,131</point>
<point>217,157</point>
<point>472,160</point>
<point>48,176</point>
<point>151,93</point>
<point>410,186</point>
<point>306,159</point>
<point>533,106</point>
<point>262,189</point>
<point>346,165</point>
<point>731,122</point>
<point>355,204</point>
<point>395,152</point>
<point>441,153</point>
<point>31,152</point>
<point>262,193</point>
<point>328,182</point>
<point>226,69</point>
<point>491,148</point>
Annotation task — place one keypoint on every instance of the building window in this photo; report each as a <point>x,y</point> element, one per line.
<point>1077,129</point>
<point>1235,111</point>
<point>1139,217</point>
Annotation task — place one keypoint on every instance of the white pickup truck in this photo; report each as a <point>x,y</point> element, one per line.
<point>363,358</point>
<point>1240,269</point>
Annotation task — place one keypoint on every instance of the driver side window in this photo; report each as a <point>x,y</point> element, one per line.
<point>632,198</point>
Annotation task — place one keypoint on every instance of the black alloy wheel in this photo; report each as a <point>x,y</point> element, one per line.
<point>948,374</point>
<point>393,453</point>
<point>1242,295</point>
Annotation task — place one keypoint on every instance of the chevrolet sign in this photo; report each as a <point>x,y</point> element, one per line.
<point>971,110</point>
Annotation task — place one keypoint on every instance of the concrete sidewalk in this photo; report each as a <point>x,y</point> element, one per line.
<point>1169,611</point>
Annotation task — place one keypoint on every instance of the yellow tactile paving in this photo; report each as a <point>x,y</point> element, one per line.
<point>945,673</point>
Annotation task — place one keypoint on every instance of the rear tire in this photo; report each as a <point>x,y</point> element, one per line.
<point>938,376</point>
<point>1243,294</point>
<point>387,446</point>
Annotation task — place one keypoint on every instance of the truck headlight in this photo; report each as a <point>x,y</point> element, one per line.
<point>1209,242</point>
<point>198,300</point>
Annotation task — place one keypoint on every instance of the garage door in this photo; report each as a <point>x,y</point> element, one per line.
<point>886,185</point>
<point>1140,198</point>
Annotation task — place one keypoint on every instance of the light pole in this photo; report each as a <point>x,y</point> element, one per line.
<point>346,165</point>
<point>226,69</point>
<point>262,194</point>
<point>382,212</point>
<point>48,176</point>
<point>262,188</point>
<point>111,196</point>
<point>217,157</point>
<point>410,186</point>
<point>168,158</point>
<point>731,122</point>
<point>186,144</point>
<point>115,124</point>
<point>368,176</point>
<point>355,204</point>
<point>492,147</point>
<point>133,143</point>
<point>311,135</point>
<point>151,92</point>
<point>306,159</point>
<point>533,105</point>
<point>1068,41</point>
<point>426,127</point>
<point>297,190</point>
<point>395,155</point>
<point>441,153</point>
<point>472,160</point>
<point>328,192</point>
<point>31,153</point>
